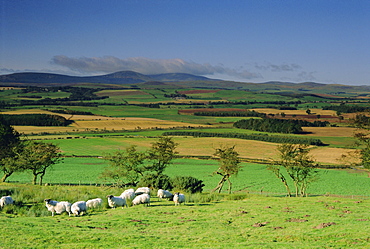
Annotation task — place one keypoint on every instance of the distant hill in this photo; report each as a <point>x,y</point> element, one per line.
<point>175,80</point>
<point>123,77</point>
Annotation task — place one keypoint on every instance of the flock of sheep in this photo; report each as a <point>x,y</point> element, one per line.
<point>140,196</point>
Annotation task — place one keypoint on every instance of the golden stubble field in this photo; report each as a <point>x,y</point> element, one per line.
<point>95,122</point>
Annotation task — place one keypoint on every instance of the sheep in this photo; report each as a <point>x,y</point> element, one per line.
<point>178,199</point>
<point>6,200</point>
<point>141,199</point>
<point>142,190</point>
<point>79,207</point>
<point>164,194</point>
<point>128,194</point>
<point>116,201</point>
<point>94,203</point>
<point>58,207</point>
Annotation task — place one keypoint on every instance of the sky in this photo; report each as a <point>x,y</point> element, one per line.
<point>324,41</point>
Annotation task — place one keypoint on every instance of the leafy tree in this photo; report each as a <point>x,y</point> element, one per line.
<point>129,167</point>
<point>161,154</point>
<point>38,157</point>
<point>363,140</point>
<point>308,111</point>
<point>229,166</point>
<point>10,145</point>
<point>296,164</point>
<point>126,167</point>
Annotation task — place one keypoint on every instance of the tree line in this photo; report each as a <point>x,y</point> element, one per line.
<point>343,108</point>
<point>289,126</point>
<point>35,120</point>
<point>246,113</point>
<point>259,137</point>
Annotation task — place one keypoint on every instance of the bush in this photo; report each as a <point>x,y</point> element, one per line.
<point>156,181</point>
<point>188,184</point>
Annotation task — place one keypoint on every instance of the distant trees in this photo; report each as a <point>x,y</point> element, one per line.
<point>246,113</point>
<point>229,166</point>
<point>259,137</point>
<point>36,120</point>
<point>289,126</point>
<point>295,164</point>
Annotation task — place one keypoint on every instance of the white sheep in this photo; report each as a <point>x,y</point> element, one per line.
<point>94,203</point>
<point>128,194</point>
<point>6,200</point>
<point>116,201</point>
<point>58,207</point>
<point>142,190</point>
<point>178,199</point>
<point>164,194</point>
<point>141,199</point>
<point>79,207</point>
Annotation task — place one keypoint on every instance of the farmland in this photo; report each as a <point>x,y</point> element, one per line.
<point>256,215</point>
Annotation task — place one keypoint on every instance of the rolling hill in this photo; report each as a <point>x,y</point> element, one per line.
<point>176,80</point>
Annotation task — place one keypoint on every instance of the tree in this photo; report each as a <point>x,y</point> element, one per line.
<point>161,155</point>
<point>129,167</point>
<point>296,164</point>
<point>38,157</point>
<point>10,146</point>
<point>308,111</point>
<point>362,122</point>
<point>229,166</point>
<point>126,167</point>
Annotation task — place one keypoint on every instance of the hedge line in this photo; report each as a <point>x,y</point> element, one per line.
<point>259,137</point>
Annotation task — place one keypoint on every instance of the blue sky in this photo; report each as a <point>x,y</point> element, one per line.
<point>324,41</point>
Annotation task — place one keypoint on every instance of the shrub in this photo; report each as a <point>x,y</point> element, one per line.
<point>188,184</point>
<point>156,181</point>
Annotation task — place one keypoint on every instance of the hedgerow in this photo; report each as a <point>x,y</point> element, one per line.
<point>259,137</point>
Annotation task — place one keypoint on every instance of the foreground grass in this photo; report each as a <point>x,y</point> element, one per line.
<point>253,222</point>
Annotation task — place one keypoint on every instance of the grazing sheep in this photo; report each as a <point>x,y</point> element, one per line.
<point>164,194</point>
<point>94,203</point>
<point>78,207</point>
<point>141,199</point>
<point>6,200</point>
<point>116,201</point>
<point>178,199</point>
<point>128,194</point>
<point>58,207</point>
<point>142,190</point>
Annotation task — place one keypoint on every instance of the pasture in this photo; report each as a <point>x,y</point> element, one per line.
<point>205,221</point>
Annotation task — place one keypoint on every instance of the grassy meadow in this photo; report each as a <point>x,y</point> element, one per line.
<point>205,221</point>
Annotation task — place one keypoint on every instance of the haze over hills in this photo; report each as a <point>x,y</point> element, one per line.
<point>180,80</point>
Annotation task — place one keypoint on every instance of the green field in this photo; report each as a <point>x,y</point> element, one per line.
<point>253,178</point>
